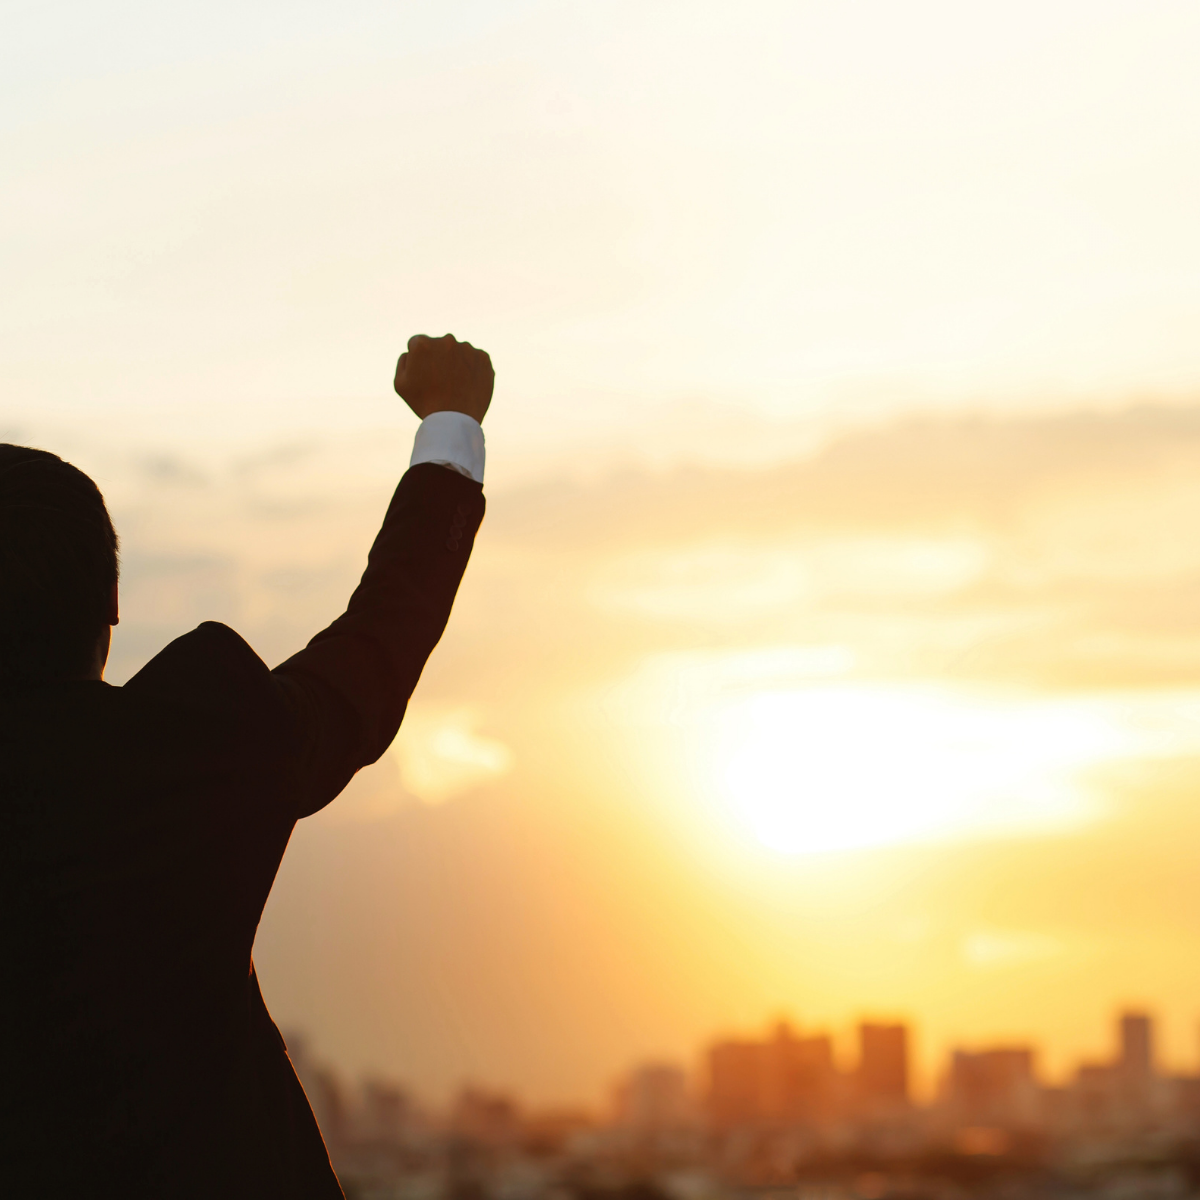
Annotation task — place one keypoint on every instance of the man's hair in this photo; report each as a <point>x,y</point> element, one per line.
<point>58,564</point>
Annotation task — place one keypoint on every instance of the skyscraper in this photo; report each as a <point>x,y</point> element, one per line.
<point>653,1097</point>
<point>734,1087</point>
<point>1135,1064</point>
<point>785,1079</point>
<point>798,1077</point>
<point>1137,1046</point>
<point>883,1064</point>
<point>995,1087</point>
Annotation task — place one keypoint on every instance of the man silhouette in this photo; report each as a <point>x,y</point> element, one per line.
<point>141,827</point>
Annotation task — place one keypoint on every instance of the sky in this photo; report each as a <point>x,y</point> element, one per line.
<point>829,648</point>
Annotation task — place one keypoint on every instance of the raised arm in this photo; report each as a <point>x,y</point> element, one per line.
<point>348,688</point>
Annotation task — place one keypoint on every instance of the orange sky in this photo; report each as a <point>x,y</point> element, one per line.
<point>830,646</point>
<point>969,640</point>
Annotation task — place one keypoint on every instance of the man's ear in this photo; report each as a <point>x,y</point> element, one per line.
<point>114,607</point>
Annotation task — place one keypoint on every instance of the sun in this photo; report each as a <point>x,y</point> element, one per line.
<point>827,768</point>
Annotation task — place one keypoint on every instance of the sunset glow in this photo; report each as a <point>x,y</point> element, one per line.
<point>832,640</point>
<point>837,768</point>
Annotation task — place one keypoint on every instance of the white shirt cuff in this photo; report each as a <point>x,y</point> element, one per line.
<point>450,439</point>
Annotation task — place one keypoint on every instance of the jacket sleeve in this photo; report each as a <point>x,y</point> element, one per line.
<point>348,688</point>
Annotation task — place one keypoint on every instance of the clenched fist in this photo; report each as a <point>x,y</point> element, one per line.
<point>445,375</point>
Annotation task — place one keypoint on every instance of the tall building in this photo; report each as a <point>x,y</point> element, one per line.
<point>798,1078</point>
<point>733,1083</point>
<point>882,1065</point>
<point>1095,1094</point>
<point>653,1097</point>
<point>1135,1063</point>
<point>995,1087</point>
<point>784,1079</point>
<point>1137,1045</point>
<point>487,1118</point>
<point>387,1112</point>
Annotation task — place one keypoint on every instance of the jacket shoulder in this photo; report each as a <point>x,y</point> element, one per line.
<point>210,664</point>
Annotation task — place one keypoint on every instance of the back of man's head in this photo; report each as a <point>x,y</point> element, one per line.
<point>58,564</point>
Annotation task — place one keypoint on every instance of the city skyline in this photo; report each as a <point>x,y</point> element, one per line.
<point>774,1112</point>
<point>739,1077</point>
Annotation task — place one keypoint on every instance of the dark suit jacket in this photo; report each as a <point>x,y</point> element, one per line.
<point>140,831</point>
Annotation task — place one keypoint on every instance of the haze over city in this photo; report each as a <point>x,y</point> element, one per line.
<point>831,646</point>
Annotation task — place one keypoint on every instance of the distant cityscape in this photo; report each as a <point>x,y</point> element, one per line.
<point>775,1117</point>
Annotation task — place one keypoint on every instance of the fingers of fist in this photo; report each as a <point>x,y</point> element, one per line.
<point>443,374</point>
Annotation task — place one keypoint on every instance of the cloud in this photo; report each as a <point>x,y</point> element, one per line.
<point>716,584</point>
<point>1047,552</point>
<point>440,755</point>
<point>172,469</point>
<point>1057,551</point>
<point>992,949</point>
